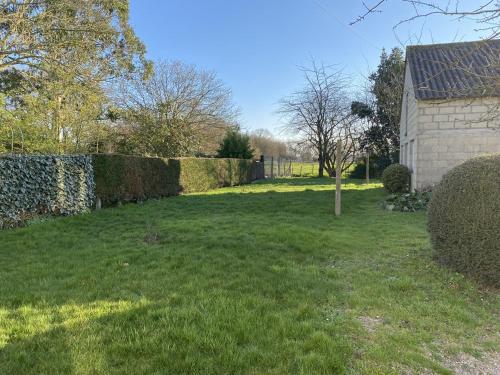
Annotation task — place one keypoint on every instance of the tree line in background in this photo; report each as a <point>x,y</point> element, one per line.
<point>74,79</point>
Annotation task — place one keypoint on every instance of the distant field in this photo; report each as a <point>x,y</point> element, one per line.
<point>299,169</point>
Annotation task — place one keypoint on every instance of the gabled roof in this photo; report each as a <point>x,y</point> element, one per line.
<point>455,70</point>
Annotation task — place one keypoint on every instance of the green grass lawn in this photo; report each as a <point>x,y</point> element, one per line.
<point>303,169</point>
<point>259,279</point>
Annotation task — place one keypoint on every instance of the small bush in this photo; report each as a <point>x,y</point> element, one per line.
<point>235,145</point>
<point>407,202</point>
<point>464,219</point>
<point>396,179</point>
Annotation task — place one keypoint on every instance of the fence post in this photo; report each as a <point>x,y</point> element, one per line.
<point>272,166</point>
<point>367,167</point>
<point>279,165</point>
<point>338,178</point>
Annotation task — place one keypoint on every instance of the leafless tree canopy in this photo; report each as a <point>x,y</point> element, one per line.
<point>264,143</point>
<point>319,114</point>
<point>486,13</point>
<point>175,108</point>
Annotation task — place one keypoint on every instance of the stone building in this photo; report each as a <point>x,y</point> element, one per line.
<point>450,107</point>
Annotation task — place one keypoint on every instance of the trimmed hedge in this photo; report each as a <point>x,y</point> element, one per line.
<point>134,178</point>
<point>464,219</point>
<point>40,185</point>
<point>396,179</point>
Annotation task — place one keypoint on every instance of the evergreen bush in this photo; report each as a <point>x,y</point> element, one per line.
<point>464,219</point>
<point>396,179</point>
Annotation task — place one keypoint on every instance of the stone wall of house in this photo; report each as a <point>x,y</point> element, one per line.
<point>452,131</point>
<point>409,128</point>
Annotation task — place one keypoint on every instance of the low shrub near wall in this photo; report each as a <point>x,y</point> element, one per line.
<point>134,178</point>
<point>40,184</point>
<point>407,202</point>
<point>396,179</point>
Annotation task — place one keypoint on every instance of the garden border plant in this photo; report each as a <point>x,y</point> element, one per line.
<point>396,179</point>
<point>464,219</point>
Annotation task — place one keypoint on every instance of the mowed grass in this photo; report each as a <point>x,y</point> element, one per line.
<point>311,169</point>
<point>258,279</point>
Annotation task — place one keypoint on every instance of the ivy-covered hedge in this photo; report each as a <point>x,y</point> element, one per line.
<point>40,184</point>
<point>133,178</point>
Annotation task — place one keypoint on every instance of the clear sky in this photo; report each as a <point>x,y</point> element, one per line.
<point>256,46</point>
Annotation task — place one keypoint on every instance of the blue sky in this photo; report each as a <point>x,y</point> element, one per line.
<point>256,46</point>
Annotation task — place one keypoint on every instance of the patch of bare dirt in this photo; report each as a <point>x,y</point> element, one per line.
<point>465,364</point>
<point>371,323</point>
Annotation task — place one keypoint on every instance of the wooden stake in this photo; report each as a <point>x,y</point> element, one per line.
<point>367,167</point>
<point>338,178</point>
<point>272,166</point>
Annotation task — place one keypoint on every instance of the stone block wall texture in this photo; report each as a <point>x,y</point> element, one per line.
<point>445,133</point>
<point>451,132</point>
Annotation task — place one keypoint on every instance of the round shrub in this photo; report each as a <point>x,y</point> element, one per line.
<point>464,219</point>
<point>396,179</point>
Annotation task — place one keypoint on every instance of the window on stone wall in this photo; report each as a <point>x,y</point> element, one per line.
<point>404,158</point>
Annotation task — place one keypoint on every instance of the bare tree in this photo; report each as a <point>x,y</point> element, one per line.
<point>319,114</point>
<point>486,13</point>
<point>264,143</point>
<point>170,112</point>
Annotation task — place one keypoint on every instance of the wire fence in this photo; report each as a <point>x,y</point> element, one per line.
<point>280,167</point>
<point>285,167</point>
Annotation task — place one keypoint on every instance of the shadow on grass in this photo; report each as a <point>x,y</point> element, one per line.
<point>179,336</point>
<point>68,258</point>
<point>237,281</point>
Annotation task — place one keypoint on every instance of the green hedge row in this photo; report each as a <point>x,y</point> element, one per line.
<point>134,178</point>
<point>33,185</point>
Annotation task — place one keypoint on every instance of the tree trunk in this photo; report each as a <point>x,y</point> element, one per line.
<point>321,166</point>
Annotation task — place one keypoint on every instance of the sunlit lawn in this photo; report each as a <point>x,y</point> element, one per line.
<point>255,279</point>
